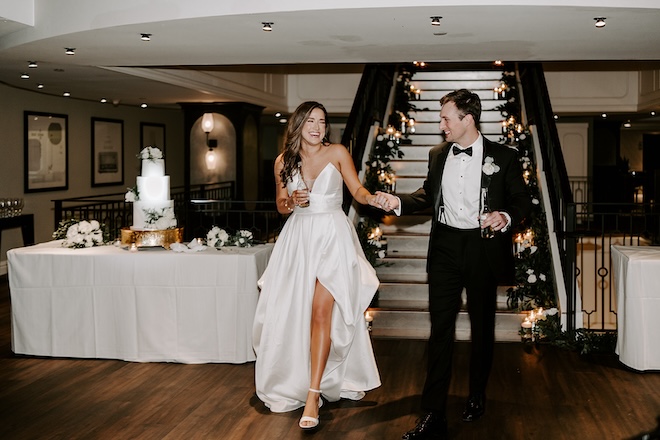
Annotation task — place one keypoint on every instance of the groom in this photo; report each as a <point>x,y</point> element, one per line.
<point>458,257</point>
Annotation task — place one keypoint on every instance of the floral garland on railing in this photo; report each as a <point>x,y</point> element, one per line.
<point>379,175</point>
<point>534,286</point>
<point>534,291</point>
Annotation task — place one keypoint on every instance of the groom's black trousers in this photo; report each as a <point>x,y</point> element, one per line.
<point>457,260</point>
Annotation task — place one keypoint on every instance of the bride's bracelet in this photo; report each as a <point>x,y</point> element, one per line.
<point>286,205</point>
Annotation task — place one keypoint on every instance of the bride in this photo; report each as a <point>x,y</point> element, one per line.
<point>309,332</point>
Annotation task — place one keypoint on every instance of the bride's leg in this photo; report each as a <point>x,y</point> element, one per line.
<point>319,344</point>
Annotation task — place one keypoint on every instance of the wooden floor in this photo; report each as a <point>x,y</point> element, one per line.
<point>534,393</point>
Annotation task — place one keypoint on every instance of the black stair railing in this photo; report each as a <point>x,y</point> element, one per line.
<point>539,113</point>
<point>369,107</point>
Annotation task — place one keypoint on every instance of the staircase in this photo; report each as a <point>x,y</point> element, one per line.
<point>401,310</point>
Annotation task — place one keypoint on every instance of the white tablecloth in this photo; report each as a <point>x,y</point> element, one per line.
<point>637,276</point>
<point>149,305</point>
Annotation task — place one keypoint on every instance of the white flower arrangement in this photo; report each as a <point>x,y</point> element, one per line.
<point>132,195</point>
<point>81,234</point>
<point>243,238</point>
<point>160,218</point>
<point>490,167</point>
<point>150,153</point>
<point>218,237</point>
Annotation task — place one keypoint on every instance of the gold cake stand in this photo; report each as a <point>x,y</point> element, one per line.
<point>163,237</point>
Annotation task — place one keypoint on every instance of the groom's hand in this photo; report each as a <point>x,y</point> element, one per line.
<point>387,202</point>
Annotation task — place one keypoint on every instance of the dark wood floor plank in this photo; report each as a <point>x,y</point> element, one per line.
<point>535,392</point>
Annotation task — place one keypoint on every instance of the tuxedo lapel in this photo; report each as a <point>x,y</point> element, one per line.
<point>441,159</point>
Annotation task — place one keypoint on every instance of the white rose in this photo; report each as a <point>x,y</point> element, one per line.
<point>531,279</point>
<point>222,235</point>
<point>535,201</point>
<point>85,227</point>
<point>130,197</point>
<point>379,137</point>
<point>530,271</point>
<point>381,254</point>
<point>542,277</point>
<point>72,231</point>
<point>533,249</point>
<point>551,312</point>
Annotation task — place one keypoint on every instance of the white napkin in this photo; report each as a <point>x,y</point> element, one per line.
<point>193,246</point>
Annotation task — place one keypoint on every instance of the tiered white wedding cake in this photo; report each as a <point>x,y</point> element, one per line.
<point>153,209</point>
<point>154,222</point>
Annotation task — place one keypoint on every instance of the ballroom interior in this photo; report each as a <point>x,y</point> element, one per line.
<point>149,72</point>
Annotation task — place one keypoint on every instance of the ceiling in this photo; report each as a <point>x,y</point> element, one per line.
<point>207,36</point>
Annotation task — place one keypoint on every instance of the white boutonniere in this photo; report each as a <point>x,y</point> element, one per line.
<point>490,167</point>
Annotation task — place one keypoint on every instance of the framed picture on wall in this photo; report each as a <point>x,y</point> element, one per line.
<point>107,152</point>
<point>46,152</point>
<point>152,134</point>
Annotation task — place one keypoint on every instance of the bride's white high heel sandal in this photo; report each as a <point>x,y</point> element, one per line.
<point>313,421</point>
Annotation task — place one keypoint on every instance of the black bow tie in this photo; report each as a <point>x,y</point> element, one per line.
<point>458,151</point>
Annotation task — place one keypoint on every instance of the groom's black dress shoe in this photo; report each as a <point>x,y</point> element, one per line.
<point>430,426</point>
<point>475,407</point>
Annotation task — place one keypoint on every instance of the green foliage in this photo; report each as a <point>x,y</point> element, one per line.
<point>534,282</point>
<point>582,340</point>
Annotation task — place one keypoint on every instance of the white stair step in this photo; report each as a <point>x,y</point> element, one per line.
<point>414,152</point>
<point>415,224</point>
<point>478,86</point>
<point>419,292</point>
<point>406,167</point>
<point>417,325</point>
<point>406,184</point>
<point>398,291</point>
<point>407,245</point>
<point>402,270</point>
<point>429,75</point>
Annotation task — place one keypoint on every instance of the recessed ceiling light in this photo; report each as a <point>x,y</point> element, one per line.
<point>435,20</point>
<point>25,76</point>
<point>32,64</point>
<point>143,105</point>
<point>70,50</point>
<point>627,124</point>
<point>66,94</point>
<point>40,86</point>
<point>600,22</point>
<point>283,121</point>
<point>556,117</point>
<point>499,63</point>
<point>103,100</point>
<point>604,115</point>
<point>267,26</point>
<point>278,114</point>
<point>652,113</point>
<point>145,37</point>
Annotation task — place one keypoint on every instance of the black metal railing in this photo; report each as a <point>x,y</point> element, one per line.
<point>113,211</point>
<point>259,217</point>
<point>369,107</point>
<point>584,230</point>
<point>598,226</point>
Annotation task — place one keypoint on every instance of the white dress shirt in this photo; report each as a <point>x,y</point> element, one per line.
<point>461,187</point>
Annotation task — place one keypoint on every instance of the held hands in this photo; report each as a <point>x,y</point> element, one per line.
<point>384,201</point>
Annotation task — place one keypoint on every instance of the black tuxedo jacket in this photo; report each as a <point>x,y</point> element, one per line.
<point>506,192</point>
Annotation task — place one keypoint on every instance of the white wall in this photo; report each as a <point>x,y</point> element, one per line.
<point>14,102</point>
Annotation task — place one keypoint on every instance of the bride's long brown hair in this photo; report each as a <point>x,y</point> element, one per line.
<point>293,140</point>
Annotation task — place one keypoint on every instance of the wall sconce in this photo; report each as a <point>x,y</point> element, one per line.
<point>211,158</point>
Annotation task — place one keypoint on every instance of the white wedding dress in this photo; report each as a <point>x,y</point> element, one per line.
<point>317,242</point>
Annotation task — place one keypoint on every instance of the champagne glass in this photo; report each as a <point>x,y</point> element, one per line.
<point>302,186</point>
